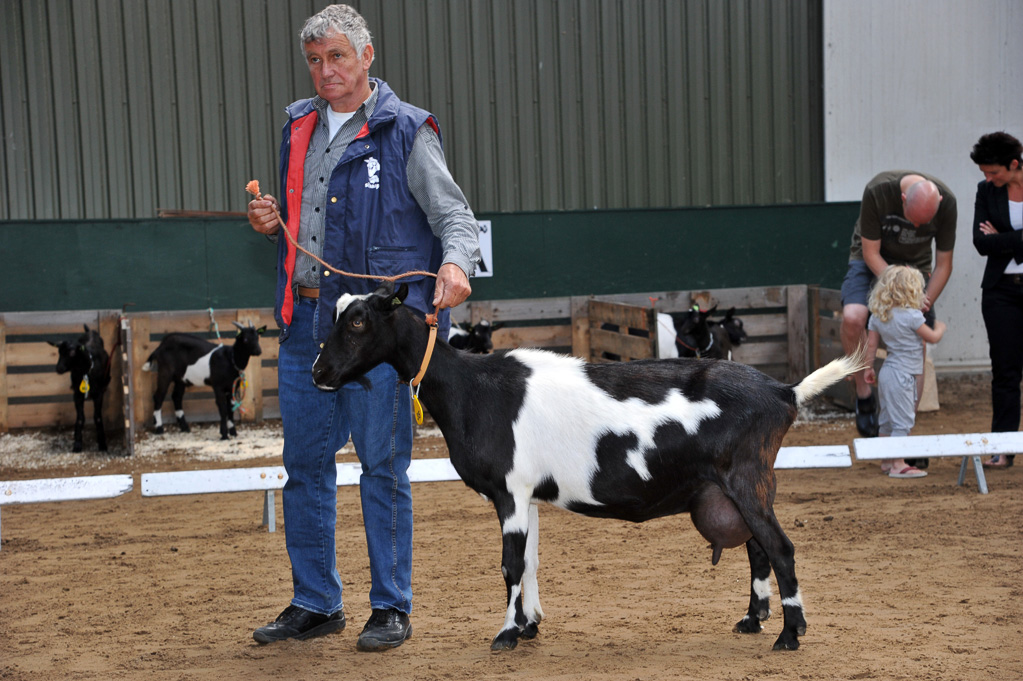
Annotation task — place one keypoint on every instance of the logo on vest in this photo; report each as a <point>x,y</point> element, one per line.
<point>373,167</point>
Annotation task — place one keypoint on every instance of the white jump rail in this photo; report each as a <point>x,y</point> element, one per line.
<point>970,446</point>
<point>273,478</point>
<point>63,489</point>
<point>820,456</point>
<point>270,479</point>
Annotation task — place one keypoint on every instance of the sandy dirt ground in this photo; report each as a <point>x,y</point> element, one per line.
<point>902,579</point>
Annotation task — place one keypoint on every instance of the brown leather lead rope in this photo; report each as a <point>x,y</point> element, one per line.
<point>253,188</point>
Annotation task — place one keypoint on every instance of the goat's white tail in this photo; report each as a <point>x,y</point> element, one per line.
<point>829,374</point>
<point>149,366</point>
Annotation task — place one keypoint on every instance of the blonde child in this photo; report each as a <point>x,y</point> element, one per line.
<point>896,318</point>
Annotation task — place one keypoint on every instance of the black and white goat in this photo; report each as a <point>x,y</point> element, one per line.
<point>695,337</point>
<point>184,359</point>
<point>474,338</point>
<point>634,441</point>
<point>733,326</point>
<point>89,364</point>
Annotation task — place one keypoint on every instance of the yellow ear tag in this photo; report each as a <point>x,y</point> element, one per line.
<point>84,387</point>
<point>417,409</point>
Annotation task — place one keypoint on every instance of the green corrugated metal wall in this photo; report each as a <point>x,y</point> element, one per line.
<point>118,108</point>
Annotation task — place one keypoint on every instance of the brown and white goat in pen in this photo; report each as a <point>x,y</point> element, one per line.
<point>633,441</point>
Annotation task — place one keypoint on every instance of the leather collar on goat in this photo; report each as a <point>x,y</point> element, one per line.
<point>699,353</point>
<point>432,321</point>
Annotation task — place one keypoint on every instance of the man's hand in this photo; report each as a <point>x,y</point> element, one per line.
<point>262,216</point>
<point>452,285</point>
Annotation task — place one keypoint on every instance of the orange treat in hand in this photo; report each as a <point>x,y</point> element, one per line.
<point>253,188</point>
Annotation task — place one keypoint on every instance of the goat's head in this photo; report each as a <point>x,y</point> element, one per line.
<point>694,322</point>
<point>480,337</point>
<point>733,325</point>
<point>363,336</point>
<point>75,355</point>
<point>248,338</point>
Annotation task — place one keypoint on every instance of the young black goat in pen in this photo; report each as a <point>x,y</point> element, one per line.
<point>89,364</point>
<point>475,338</point>
<point>184,359</point>
<point>633,441</point>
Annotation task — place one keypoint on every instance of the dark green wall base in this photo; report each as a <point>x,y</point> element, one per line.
<point>187,264</point>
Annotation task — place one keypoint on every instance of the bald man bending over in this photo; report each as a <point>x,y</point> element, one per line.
<point>901,214</point>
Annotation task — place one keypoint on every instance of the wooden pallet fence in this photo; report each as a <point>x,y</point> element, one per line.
<point>146,329</point>
<point>776,319</point>
<point>792,329</point>
<point>621,333</point>
<point>32,394</point>
<point>545,323</point>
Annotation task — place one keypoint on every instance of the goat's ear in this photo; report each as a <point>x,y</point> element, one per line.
<point>261,330</point>
<point>401,293</point>
<point>86,327</point>
<point>56,345</point>
<point>385,290</point>
<point>497,325</point>
<point>731,311</point>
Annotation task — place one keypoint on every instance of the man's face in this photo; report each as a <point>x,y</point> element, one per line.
<point>340,76</point>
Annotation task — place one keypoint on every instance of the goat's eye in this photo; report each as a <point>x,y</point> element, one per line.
<point>357,323</point>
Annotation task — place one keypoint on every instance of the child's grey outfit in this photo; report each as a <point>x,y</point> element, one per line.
<point>896,382</point>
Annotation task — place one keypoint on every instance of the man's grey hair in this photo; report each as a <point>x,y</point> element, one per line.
<point>337,19</point>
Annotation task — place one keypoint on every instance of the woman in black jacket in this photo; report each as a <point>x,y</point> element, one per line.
<point>998,235</point>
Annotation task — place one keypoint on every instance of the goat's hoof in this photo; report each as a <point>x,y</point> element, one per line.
<point>103,447</point>
<point>748,625</point>
<point>530,631</point>
<point>158,430</point>
<point>76,447</point>
<point>233,432</point>
<point>184,428</point>
<point>786,642</point>
<point>224,436</point>
<point>506,640</point>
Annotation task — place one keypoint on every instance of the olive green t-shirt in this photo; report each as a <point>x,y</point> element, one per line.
<point>881,218</point>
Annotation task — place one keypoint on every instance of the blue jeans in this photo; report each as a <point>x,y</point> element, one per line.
<point>316,425</point>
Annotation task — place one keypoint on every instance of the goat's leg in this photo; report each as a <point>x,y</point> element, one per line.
<point>223,406</point>
<point>79,398</point>
<point>514,529</point>
<point>530,588</point>
<point>162,383</point>
<point>776,545</point>
<point>97,418</point>
<point>760,590</point>
<point>178,397</point>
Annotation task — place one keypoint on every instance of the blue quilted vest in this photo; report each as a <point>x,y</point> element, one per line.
<point>373,224</point>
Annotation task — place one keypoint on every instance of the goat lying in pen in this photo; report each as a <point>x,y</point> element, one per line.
<point>633,441</point>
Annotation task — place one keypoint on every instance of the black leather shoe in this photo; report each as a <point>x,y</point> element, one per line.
<point>299,624</point>
<point>385,629</point>
<point>866,416</point>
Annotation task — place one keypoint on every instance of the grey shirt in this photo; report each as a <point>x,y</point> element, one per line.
<point>905,346</point>
<point>429,180</point>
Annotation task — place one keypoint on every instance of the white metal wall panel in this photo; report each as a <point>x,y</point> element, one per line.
<point>913,84</point>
